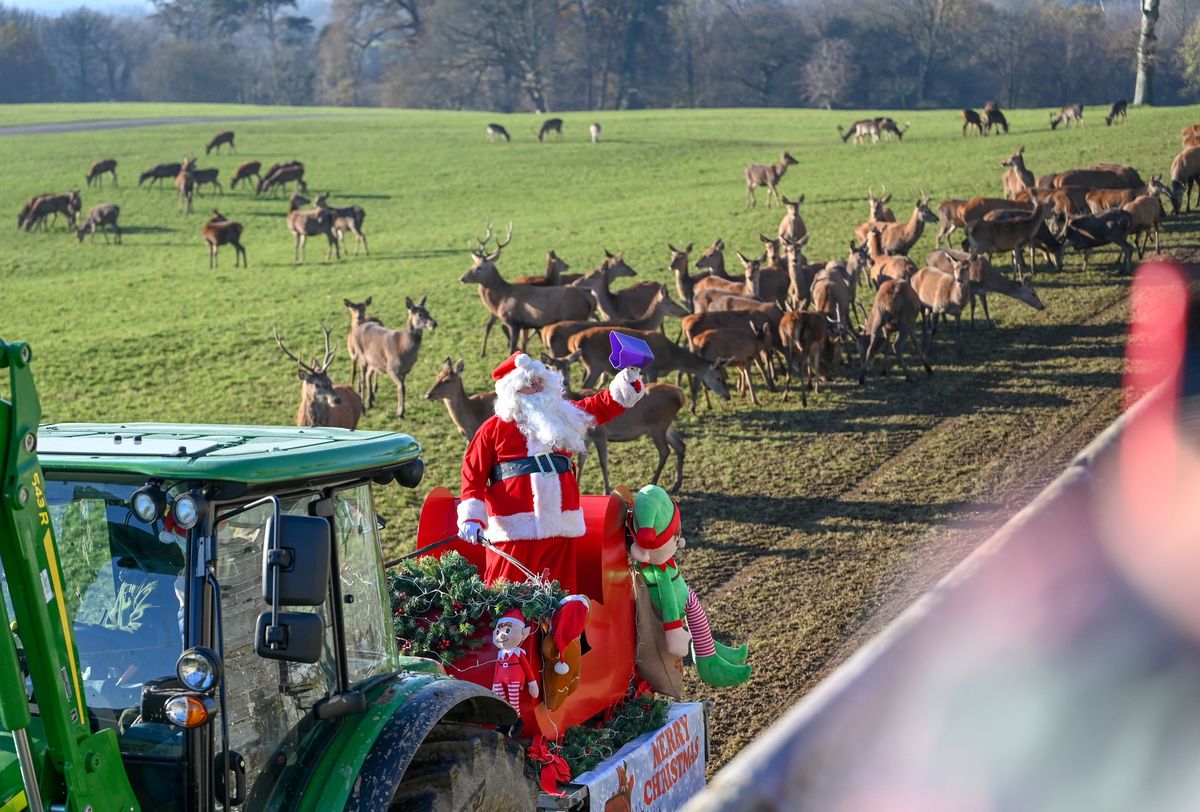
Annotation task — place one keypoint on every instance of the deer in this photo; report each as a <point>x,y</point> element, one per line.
<point>522,306</point>
<point>774,276</point>
<point>322,403</point>
<point>804,336</point>
<point>1189,136</point>
<point>685,283</point>
<point>224,137</point>
<point>767,175</point>
<point>185,183</point>
<point>712,260</point>
<point>992,117</point>
<point>358,315</point>
<point>737,348</point>
<point>1098,176</point>
<point>594,133</point>
<point>886,266</point>
<point>1091,231</point>
<point>158,173</point>
<point>971,120</point>
<point>985,279</point>
<point>943,294</point>
<point>26,212</point>
<point>68,204</point>
<point>392,352</point>
<point>105,214</point>
<point>1144,212</point>
<point>245,171</point>
<point>1017,177</point>
<point>1101,200</point>
<point>556,273</point>
<point>889,126</point>
<point>550,125</point>
<point>1185,173</point>
<point>711,288</point>
<point>305,223</point>
<point>467,412</point>
<point>620,305</point>
<point>203,177</point>
<point>346,218</point>
<point>899,238</point>
<point>792,224</point>
<point>494,131</point>
<point>1070,113</point>
<point>893,311</point>
<point>99,168</point>
<point>879,213</point>
<point>798,270</point>
<point>832,292</point>
<point>220,231</point>
<point>278,175</point>
<point>1118,109</point>
<point>1011,232</point>
<point>864,128</point>
<point>555,336</point>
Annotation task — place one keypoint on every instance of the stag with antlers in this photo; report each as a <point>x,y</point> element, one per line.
<point>322,403</point>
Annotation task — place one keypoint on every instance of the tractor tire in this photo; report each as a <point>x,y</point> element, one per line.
<point>461,767</point>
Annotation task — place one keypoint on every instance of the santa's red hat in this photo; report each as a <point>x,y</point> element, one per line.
<point>511,364</point>
<point>512,616</point>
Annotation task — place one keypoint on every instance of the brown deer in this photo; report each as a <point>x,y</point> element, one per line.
<point>767,175</point>
<point>1070,113</point>
<point>41,207</point>
<point>1190,136</point>
<point>225,137</point>
<point>799,273</point>
<point>879,213</point>
<point>495,131</point>
<point>279,175</point>
<point>346,218</point>
<point>685,283</point>
<point>158,173</point>
<point>740,349</point>
<point>322,403</point>
<point>203,177</point>
<point>712,259</point>
<point>1145,211</point>
<point>774,278</point>
<point>891,128</point>
<point>305,223</point>
<point>245,171</point>
<point>971,120</point>
<point>185,183</point>
<point>556,274</point>
<point>885,266</point>
<point>894,311</point>
<point>358,315</point>
<point>792,224</point>
<point>594,133</point>
<point>832,292</point>
<point>711,288</point>
<point>99,168</point>
<point>1099,176</point>
<point>899,238</point>
<point>804,336</point>
<point>550,125</point>
<point>518,307</point>
<point>620,305</point>
<point>105,214</point>
<point>392,352</point>
<point>220,231</point>
<point>1118,109</point>
<point>652,417</point>
<point>1010,231</point>
<point>467,412</point>
<point>1101,200</point>
<point>1017,177</point>
<point>943,294</point>
<point>863,128</point>
<point>992,117</point>
<point>555,336</point>
<point>1185,173</point>
<point>985,280</point>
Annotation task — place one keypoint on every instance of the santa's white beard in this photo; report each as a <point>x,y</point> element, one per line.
<point>546,419</point>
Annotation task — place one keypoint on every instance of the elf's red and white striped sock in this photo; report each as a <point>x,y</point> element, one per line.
<point>513,691</point>
<point>702,639</point>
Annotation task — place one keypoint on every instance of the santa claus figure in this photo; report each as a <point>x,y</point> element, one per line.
<point>518,479</point>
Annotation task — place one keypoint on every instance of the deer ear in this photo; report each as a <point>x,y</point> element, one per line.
<point>300,375</point>
<point>688,249</point>
<point>408,302</point>
<point>368,301</point>
<point>347,302</point>
<point>423,300</point>
<point>459,367</point>
<point>573,357</point>
<point>608,253</point>
<point>742,257</point>
<point>719,244</point>
<point>672,248</point>
<point>800,199</point>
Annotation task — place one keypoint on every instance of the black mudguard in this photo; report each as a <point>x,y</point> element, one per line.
<point>444,700</point>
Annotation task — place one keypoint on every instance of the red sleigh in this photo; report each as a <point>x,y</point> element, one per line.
<point>603,575</point>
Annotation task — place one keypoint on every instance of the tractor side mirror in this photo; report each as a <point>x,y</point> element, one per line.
<point>292,636</point>
<point>295,573</point>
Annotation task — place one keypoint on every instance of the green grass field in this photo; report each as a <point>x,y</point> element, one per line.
<point>836,513</point>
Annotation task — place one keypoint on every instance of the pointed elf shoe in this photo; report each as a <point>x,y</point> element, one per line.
<point>720,674</point>
<point>736,656</point>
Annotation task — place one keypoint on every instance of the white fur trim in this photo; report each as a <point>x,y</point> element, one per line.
<point>472,509</point>
<point>622,389</point>
<point>529,526</point>
<point>524,361</point>
<point>581,598</point>
<point>561,667</point>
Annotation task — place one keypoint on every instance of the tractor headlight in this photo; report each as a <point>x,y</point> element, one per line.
<point>189,711</point>
<point>186,509</point>
<point>199,669</point>
<point>148,502</point>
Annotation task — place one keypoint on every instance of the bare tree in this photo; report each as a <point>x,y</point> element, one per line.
<point>1147,51</point>
<point>828,75</point>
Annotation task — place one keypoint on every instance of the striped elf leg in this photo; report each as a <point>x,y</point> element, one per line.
<point>710,667</point>
<point>697,621</point>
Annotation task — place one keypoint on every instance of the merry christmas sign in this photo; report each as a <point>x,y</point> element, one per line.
<point>657,771</point>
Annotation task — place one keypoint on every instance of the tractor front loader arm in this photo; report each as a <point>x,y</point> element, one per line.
<point>83,769</point>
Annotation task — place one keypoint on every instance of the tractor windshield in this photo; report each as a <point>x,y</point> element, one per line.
<point>124,595</point>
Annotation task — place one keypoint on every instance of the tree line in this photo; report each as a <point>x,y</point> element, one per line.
<point>549,55</point>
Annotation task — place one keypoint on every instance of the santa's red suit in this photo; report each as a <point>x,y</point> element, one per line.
<point>532,517</point>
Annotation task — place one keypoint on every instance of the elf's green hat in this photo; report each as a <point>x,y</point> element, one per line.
<point>655,517</point>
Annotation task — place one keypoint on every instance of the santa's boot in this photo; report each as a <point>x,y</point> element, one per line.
<point>720,674</point>
<point>736,656</point>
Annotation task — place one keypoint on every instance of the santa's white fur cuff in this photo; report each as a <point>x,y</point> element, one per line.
<point>622,389</point>
<point>469,509</point>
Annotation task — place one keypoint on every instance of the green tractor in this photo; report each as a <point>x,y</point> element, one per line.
<point>199,620</point>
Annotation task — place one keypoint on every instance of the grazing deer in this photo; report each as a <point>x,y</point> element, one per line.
<point>804,337</point>
<point>346,218</point>
<point>1118,109</point>
<point>358,315</point>
<point>518,307</point>
<point>985,279</point>
<point>105,214</point>
<point>26,212</point>
<point>550,125</point>
<point>467,412</point>
<point>889,126</point>
<point>1185,173</point>
<point>739,349</point>
<point>1068,114</point>
<point>392,352</point>
<point>225,137</point>
<point>41,207</point>
<point>594,132</point>
<point>280,174</point>
<point>202,177</point>
<point>943,294</point>
<point>792,224</point>
<point>309,223</point>
<point>1091,231</point>
<point>322,403</point>
<point>1006,230</point>
<point>865,128</point>
<point>767,175</point>
<point>158,173</point>
<point>971,120</point>
<point>894,311</point>
<point>884,265</point>
<point>245,171</point>
<point>621,305</point>
<point>992,117</point>
<point>185,183</point>
<point>1016,177</point>
<point>220,231</point>
<point>107,165</point>
<point>494,131</point>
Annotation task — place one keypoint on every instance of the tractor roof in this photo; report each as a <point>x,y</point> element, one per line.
<point>255,455</point>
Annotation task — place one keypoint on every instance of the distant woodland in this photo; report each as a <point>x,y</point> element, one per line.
<point>550,55</point>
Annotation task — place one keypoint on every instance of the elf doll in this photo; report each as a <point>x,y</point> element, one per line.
<point>656,539</point>
<point>512,663</point>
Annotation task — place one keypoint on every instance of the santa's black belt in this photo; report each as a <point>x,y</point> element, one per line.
<point>537,464</point>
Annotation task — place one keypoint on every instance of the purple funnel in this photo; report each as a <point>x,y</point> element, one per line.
<point>628,351</point>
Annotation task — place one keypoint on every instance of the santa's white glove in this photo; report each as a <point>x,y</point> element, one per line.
<point>627,387</point>
<point>470,531</point>
<point>678,640</point>
<point>533,689</point>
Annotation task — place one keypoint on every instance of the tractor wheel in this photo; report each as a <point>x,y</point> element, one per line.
<point>460,767</point>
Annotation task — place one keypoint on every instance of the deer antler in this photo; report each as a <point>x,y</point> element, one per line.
<point>329,351</point>
<point>288,353</point>
<point>507,237</point>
